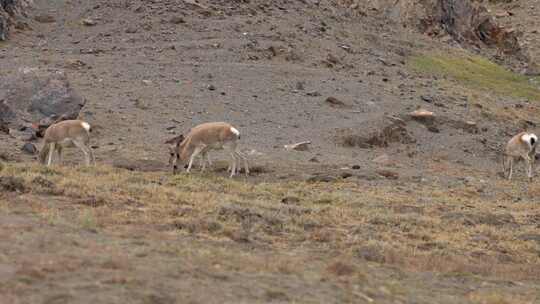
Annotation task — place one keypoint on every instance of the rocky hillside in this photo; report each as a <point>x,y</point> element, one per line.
<point>397,198</point>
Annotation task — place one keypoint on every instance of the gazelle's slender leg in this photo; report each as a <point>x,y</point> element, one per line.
<point>528,164</point>
<point>92,157</point>
<point>84,149</point>
<point>511,166</point>
<point>233,167</point>
<point>51,151</point>
<point>203,160</point>
<point>60,158</point>
<point>244,159</point>
<point>192,157</point>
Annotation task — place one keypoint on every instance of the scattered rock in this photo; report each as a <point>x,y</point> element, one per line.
<point>422,114</point>
<point>75,63</point>
<point>313,94</point>
<point>131,29</point>
<point>345,175</point>
<point>300,85</point>
<point>334,102</point>
<point>332,59</point>
<point>426,98</point>
<point>381,134</point>
<point>88,22</point>
<point>177,20</point>
<point>355,167</point>
<point>314,159</point>
<point>388,174</point>
<point>29,148</point>
<point>211,87</point>
<point>44,18</point>
<point>301,146</point>
<point>147,82</point>
<point>383,159</point>
<point>13,14</point>
<point>12,184</point>
<point>321,178</point>
<point>34,96</point>
<point>290,200</point>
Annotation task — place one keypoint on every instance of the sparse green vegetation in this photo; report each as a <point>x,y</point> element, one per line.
<point>478,73</point>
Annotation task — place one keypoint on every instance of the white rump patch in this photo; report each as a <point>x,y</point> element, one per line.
<point>235,131</point>
<point>85,125</point>
<point>530,139</point>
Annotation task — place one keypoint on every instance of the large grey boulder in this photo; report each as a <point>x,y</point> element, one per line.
<point>32,100</point>
<point>11,12</point>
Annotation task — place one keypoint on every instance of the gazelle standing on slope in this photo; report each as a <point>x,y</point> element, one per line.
<point>65,134</point>
<point>521,146</point>
<point>210,136</point>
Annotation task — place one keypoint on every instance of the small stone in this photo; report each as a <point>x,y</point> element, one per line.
<point>44,18</point>
<point>211,87</point>
<point>421,114</point>
<point>388,174</point>
<point>290,200</point>
<point>301,146</point>
<point>313,94</point>
<point>29,148</point>
<point>131,29</point>
<point>426,98</point>
<point>321,178</point>
<point>300,85</point>
<point>177,20</point>
<point>147,82</point>
<point>88,22</point>
<point>335,102</point>
<point>332,59</point>
<point>74,63</point>
<point>345,175</point>
<point>355,167</point>
<point>383,159</point>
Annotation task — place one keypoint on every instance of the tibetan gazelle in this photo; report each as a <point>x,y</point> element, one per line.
<point>206,137</point>
<point>65,134</point>
<point>521,146</point>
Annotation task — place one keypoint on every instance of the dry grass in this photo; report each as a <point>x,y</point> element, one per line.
<point>449,231</point>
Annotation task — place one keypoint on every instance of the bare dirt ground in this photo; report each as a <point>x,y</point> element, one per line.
<point>430,222</point>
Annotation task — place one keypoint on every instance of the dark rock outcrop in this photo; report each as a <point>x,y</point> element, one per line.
<point>12,13</point>
<point>33,100</point>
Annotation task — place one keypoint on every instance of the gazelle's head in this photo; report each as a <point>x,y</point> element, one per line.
<point>173,147</point>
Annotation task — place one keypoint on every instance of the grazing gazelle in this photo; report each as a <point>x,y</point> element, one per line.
<point>210,136</point>
<point>521,146</point>
<point>173,146</point>
<point>64,134</point>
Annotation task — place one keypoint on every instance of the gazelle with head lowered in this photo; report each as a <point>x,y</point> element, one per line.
<point>206,137</point>
<point>65,134</point>
<point>521,146</point>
